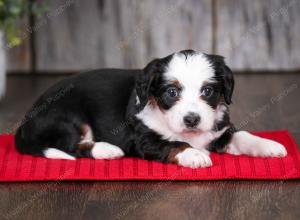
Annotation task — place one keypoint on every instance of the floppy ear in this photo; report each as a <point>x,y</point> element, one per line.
<point>223,73</point>
<point>144,82</point>
<point>228,84</point>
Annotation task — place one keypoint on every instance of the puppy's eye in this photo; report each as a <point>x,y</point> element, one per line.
<point>173,92</point>
<point>207,91</point>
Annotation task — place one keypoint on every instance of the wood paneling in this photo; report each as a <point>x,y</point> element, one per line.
<point>19,57</point>
<point>78,35</point>
<point>121,33</point>
<point>259,34</point>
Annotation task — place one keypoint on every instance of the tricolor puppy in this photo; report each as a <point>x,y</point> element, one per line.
<point>175,110</point>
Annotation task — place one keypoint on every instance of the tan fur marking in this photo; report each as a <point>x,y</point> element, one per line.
<point>86,146</point>
<point>85,143</point>
<point>176,83</point>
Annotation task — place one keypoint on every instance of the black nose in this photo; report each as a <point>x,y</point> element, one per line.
<point>191,120</point>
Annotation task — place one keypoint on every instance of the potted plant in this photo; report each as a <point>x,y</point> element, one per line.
<point>11,14</point>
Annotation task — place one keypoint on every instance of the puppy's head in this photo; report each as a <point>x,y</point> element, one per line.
<point>186,89</point>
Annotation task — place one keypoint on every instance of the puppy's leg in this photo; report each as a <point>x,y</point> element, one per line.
<point>98,150</point>
<point>243,142</point>
<point>177,152</point>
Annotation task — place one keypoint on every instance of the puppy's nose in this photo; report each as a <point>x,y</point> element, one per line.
<point>191,120</point>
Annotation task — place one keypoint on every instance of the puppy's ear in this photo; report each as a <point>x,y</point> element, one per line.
<point>225,75</point>
<point>228,84</point>
<point>145,80</point>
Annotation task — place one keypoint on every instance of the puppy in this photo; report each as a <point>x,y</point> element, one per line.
<point>175,110</point>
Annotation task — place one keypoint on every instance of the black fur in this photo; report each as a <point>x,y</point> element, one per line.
<point>219,145</point>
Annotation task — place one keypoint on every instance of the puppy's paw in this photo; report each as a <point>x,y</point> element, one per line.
<point>193,158</point>
<point>103,150</point>
<point>270,148</point>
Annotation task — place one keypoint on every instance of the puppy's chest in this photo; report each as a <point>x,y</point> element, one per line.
<point>200,141</point>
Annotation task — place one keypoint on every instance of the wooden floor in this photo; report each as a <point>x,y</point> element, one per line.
<point>261,102</point>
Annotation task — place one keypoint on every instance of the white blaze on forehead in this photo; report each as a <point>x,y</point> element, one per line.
<point>192,70</point>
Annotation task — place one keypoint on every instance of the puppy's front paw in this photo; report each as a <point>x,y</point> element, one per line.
<point>271,149</point>
<point>193,158</point>
<point>249,144</point>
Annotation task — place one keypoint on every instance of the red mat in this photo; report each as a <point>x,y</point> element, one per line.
<point>15,167</point>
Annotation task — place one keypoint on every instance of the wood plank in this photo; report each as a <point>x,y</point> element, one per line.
<point>52,200</point>
<point>125,33</point>
<point>151,200</point>
<point>266,102</point>
<point>193,200</point>
<point>259,35</point>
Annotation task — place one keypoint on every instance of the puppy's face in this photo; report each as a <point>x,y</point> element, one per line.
<point>187,88</point>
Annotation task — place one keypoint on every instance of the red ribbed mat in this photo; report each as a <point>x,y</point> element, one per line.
<point>15,167</point>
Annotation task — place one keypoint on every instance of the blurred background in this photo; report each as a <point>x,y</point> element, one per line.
<point>46,40</point>
<point>75,35</point>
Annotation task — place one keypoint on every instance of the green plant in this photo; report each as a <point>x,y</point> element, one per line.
<point>11,14</point>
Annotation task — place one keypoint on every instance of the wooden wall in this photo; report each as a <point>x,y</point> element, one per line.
<point>259,34</point>
<point>78,35</point>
